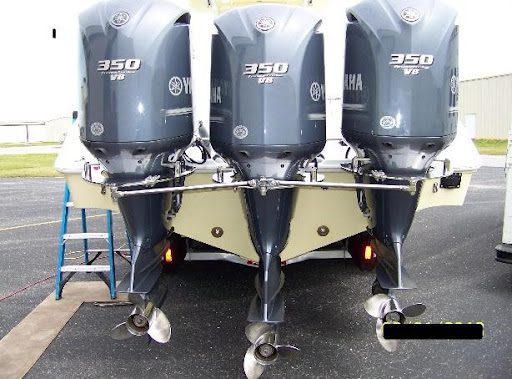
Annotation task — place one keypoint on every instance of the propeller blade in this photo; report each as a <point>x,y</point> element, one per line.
<point>375,304</point>
<point>252,368</point>
<point>414,310</point>
<point>255,330</point>
<point>388,345</point>
<point>159,326</point>
<point>120,332</point>
<point>287,351</point>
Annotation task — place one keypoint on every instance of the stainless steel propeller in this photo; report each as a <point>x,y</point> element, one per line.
<point>375,304</point>
<point>252,368</point>
<point>256,330</point>
<point>388,345</point>
<point>264,350</point>
<point>159,326</point>
<point>386,308</point>
<point>144,319</point>
<point>414,310</point>
<point>120,332</point>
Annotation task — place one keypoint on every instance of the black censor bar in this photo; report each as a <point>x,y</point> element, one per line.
<point>444,331</point>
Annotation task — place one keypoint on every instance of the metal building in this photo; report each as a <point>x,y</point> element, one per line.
<point>485,106</point>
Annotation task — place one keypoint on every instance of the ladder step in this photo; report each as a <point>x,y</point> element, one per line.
<point>105,251</point>
<point>85,268</point>
<point>70,204</point>
<point>89,251</point>
<point>84,236</point>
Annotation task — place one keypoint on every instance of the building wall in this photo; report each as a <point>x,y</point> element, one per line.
<point>486,105</point>
<point>49,131</point>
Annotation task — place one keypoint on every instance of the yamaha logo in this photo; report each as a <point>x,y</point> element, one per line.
<point>388,122</point>
<point>315,91</point>
<point>97,128</point>
<point>240,132</point>
<point>265,24</point>
<point>410,15</point>
<point>175,86</point>
<point>119,19</point>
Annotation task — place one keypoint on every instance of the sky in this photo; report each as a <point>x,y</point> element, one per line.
<point>37,73</point>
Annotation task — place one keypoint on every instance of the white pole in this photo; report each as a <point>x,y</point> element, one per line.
<point>507,219</point>
<point>504,250</point>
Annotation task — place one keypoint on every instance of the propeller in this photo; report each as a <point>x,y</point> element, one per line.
<point>144,320</point>
<point>386,308</point>
<point>120,332</point>
<point>414,310</point>
<point>252,369</point>
<point>256,330</point>
<point>375,304</point>
<point>159,327</point>
<point>264,350</point>
<point>388,345</point>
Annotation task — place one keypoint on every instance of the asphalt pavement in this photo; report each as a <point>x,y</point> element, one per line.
<point>449,251</point>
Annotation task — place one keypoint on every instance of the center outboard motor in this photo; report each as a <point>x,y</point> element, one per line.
<point>401,75</point>
<point>137,112</point>
<point>267,117</point>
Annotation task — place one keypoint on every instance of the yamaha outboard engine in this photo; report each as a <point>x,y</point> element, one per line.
<point>137,112</point>
<point>267,117</point>
<point>400,98</point>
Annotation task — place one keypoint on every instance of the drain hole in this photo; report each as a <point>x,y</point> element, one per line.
<point>139,151</point>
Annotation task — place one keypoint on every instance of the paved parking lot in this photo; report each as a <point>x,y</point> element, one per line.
<point>450,252</point>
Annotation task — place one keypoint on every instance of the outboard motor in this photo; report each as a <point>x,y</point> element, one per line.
<point>267,117</point>
<point>137,112</point>
<point>401,75</point>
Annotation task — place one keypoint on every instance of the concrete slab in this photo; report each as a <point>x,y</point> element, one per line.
<point>26,342</point>
<point>493,160</point>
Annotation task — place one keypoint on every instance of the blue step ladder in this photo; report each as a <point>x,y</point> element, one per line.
<point>66,272</point>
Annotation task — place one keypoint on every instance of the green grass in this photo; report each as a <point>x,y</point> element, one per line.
<point>27,165</point>
<point>491,146</point>
<point>26,144</point>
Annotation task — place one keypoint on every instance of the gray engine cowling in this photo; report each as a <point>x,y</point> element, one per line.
<point>267,100</point>
<point>401,73</point>
<point>400,98</point>
<point>136,84</point>
<point>267,117</point>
